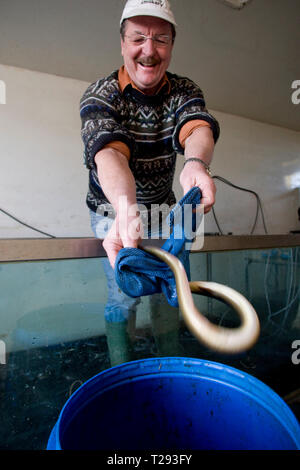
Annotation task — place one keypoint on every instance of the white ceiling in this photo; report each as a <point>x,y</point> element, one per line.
<point>244,60</point>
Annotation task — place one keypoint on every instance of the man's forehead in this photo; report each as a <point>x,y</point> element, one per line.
<point>138,23</point>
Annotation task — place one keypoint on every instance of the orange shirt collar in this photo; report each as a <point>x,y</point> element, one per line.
<point>124,80</point>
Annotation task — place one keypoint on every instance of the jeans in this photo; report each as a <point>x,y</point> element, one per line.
<point>119,306</point>
<point>120,312</point>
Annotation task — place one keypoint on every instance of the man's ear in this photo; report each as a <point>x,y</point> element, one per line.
<point>122,45</point>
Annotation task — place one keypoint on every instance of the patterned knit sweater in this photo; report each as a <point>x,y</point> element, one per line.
<point>148,125</point>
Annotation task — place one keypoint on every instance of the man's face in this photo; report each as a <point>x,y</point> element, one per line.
<point>146,63</point>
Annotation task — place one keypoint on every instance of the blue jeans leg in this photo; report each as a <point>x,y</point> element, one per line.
<point>119,306</point>
<point>120,309</point>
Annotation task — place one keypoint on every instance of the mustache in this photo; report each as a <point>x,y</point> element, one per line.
<point>148,61</point>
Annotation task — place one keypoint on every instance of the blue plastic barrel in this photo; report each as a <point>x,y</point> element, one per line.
<point>175,403</point>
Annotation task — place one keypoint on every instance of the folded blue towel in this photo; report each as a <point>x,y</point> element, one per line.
<point>139,273</point>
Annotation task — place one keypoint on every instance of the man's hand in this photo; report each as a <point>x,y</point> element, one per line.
<point>126,232</point>
<point>194,174</point>
<point>118,184</point>
<point>200,144</point>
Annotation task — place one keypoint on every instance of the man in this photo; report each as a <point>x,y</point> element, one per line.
<point>134,122</point>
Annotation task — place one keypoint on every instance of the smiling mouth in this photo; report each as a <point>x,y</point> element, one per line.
<point>148,63</point>
<point>147,66</point>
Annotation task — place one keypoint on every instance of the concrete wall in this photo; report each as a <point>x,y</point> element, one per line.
<point>42,177</point>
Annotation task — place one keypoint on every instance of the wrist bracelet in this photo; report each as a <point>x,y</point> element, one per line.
<point>195,159</point>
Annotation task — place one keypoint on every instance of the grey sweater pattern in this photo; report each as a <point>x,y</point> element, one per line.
<point>148,125</point>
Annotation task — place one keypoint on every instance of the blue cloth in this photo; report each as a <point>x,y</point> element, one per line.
<point>139,273</point>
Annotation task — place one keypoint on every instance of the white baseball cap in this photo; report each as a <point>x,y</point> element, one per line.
<point>157,8</point>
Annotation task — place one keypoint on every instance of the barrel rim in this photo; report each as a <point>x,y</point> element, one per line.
<point>248,384</point>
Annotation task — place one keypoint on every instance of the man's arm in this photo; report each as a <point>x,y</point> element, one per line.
<point>118,185</point>
<point>200,144</point>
